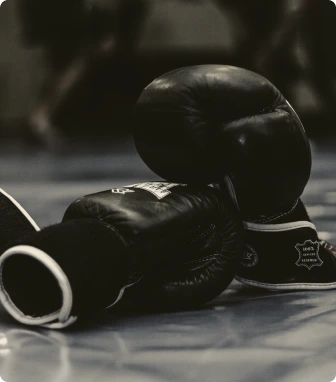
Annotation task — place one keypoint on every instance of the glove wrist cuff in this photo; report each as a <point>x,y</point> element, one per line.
<point>55,320</point>
<point>287,256</point>
<point>278,227</point>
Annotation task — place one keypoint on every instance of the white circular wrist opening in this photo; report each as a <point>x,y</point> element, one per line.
<point>56,319</point>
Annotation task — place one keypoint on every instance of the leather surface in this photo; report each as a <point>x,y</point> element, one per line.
<point>279,255</point>
<point>289,257</point>
<point>90,253</point>
<point>245,335</point>
<point>203,122</point>
<point>187,241</point>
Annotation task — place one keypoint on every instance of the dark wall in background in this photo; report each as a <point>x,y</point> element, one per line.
<point>76,68</point>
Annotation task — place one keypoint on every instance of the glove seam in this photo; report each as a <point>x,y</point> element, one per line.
<point>281,227</point>
<point>209,257</point>
<point>113,229</point>
<point>274,217</point>
<point>203,234</point>
<point>213,256</point>
<point>287,286</point>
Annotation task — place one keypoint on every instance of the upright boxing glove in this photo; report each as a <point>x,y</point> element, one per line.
<point>230,126</point>
<point>170,245</point>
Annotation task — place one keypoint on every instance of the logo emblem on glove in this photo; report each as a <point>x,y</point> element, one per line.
<point>158,189</point>
<point>308,254</point>
<point>250,257</point>
<point>122,191</point>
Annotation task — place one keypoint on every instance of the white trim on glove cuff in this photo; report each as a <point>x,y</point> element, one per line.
<point>56,320</point>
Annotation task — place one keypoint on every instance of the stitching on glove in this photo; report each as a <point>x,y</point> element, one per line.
<point>278,227</point>
<point>210,257</point>
<point>209,230</point>
<point>289,286</point>
<point>277,216</point>
<point>203,234</point>
<point>113,229</point>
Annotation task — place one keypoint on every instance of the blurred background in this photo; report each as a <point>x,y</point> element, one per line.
<point>72,70</point>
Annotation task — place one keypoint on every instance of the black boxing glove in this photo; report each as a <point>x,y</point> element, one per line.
<point>230,126</point>
<point>49,278</point>
<point>170,245</point>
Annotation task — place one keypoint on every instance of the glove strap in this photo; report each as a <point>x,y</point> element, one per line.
<point>287,256</point>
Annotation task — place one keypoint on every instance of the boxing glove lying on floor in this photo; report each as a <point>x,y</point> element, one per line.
<point>172,245</point>
<point>230,126</point>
